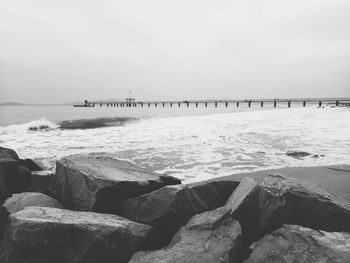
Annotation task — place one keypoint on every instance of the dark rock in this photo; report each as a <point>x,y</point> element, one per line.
<point>297,154</point>
<point>20,181</point>
<point>7,153</point>
<point>302,203</point>
<point>30,165</point>
<point>20,201</point>
<point>292,243</point>
<point>4,191</point>
<point>4,214</point>
<point>96,182</point>
<point>170,207</point>
<point>17,176</point>
<point>43,182</point>
<point>42,235</point>
<point>263,208</point>
<point>208,237</point>
<point>243,205</point>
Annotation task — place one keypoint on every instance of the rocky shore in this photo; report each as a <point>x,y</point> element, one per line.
<point>99,209</point>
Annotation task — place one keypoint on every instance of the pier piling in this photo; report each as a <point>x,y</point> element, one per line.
<point>130,102</point>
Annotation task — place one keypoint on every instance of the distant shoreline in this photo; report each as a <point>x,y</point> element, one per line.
<point>25,104</point>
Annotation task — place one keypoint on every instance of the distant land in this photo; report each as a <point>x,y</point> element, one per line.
<point>11,103</point>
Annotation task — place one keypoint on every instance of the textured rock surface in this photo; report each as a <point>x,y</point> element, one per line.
<point>4,191</point>
<point>208,237</point>
<point>98,181</point>
<point>30,165</point>
<point>20,201</point>
<point>263,208</point>
<point>42,235</point>
<point>170,207</point>
<point>289,200</point>
<point>17,176</point>
<point>43,182</point>
<point>292,243</point>
<point>3,221</point>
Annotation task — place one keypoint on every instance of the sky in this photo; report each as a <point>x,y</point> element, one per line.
<point>56,51</point>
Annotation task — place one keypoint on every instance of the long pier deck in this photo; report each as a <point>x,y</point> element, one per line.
<point>222,102</point>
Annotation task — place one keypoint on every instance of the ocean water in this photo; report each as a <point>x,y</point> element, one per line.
<point>189,143</point>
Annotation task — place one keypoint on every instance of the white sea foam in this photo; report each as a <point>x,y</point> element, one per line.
<point>201,147</point>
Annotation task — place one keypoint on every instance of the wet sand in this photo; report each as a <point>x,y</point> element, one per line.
<point>335,178</point>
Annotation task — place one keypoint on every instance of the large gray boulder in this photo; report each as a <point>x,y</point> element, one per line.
<point>20,201</point>
<point>292,243</point>
<point>43,234</point>
<point>208,237</point>
<point>263,208</point>
<point>17,176</point>
<point>97,182</point>
<point>170,207</point>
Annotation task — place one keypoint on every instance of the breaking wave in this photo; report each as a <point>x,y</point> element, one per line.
<point>95,123</point>
<point>36,125</point>
<point>46,125</point>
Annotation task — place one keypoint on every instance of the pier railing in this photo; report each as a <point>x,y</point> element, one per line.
<point>226,103</point>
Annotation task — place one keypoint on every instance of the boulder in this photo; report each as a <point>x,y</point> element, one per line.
<point>208,237</point>
<point>263,208</point>
<point>297,154</point>
<point>45,234</point>
<point>4,191</point>
<point>20,201</point>
<point>96,182</point>
<point>30,165</point>
<point>4,214</point>
<point>43,182</point>
<point>293,243</point>
<point>17,176</point>
<point>7,153</point>
<point>170,207</point>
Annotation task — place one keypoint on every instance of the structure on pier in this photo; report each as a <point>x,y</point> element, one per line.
<point>130,102</point>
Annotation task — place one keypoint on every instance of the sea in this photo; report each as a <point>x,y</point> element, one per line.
<point>189,143</point>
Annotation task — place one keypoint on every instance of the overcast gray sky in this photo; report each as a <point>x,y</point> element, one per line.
<point>67,50</point>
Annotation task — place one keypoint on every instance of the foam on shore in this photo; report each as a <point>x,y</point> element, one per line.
<point>195,148</point>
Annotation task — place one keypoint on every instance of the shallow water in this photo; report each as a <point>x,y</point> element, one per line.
<point>191,144</point>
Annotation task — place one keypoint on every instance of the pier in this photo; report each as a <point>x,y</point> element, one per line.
<point>131,102</point>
